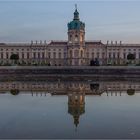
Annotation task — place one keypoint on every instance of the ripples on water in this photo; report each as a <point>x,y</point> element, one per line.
<point>70,109</point>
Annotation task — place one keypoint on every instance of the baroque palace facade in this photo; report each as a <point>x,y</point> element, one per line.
<point>75,51</point>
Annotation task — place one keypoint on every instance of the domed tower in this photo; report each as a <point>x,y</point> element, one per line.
<point>76,40</point>
<point>76,30</point>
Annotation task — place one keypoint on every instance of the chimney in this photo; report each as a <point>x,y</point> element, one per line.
<point>111,42</point>
<point>36,41</point>
<point>31,41</point>
<point>120,42</point>
<point>116,42</point>
<point>40,42</point>
<point>45,42</point>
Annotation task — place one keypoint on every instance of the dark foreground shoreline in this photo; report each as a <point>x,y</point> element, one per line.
<point>71,73</point>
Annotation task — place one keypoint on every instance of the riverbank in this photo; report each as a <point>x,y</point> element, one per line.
<point>69,72</point>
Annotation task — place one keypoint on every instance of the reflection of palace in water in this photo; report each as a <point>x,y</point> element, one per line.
<point>76,105</point>
<point>76,91</point>
<point>62,88</point>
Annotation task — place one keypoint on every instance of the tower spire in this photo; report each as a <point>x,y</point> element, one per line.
<point>75,6</point>
<point>76,14</point>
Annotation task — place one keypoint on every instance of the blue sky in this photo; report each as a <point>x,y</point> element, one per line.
<point>26,20</point>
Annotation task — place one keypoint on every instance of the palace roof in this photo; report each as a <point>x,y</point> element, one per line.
<point>58,43</point>
<point>93,42</point>
<point>123,45</point>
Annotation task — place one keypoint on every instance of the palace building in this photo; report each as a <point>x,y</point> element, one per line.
<point>76,51</point>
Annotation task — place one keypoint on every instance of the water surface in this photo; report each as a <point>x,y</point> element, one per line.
<point>69,109</point>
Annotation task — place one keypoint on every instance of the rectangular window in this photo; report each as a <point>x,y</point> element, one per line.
<point>109,55</point>
<point>98,54</point>
<point>118,55</point>
<point>38,55</point>
<point>59,54</point>
<point>54,54</point>
<point>43,56</point>
<point>34,54</point>
<point>114,55</point>
<point>27,55</point>
<point>49,55</point>
<point>124,55</point>
<point>1,55</point>
<point>7,56</point>
<point>22,55</point>
<point>93,55</point>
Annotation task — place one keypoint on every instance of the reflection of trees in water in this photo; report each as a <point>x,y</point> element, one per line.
<point>131,92</point>
<point>94,86</point>
<point>97,89</point>
<point>14,91</point>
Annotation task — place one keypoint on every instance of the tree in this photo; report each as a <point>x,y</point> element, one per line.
<point>14,57</point>
<point>94,62</point>
<point>94,86</point>
<point>131,56</point>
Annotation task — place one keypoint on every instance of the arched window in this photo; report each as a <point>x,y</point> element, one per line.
<point>76,38</point>
<point>81,53</point>
<point>82,37</point>
<point>76,53</point>
<point>70,38</point>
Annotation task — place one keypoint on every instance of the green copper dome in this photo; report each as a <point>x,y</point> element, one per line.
<point>76,24</point>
